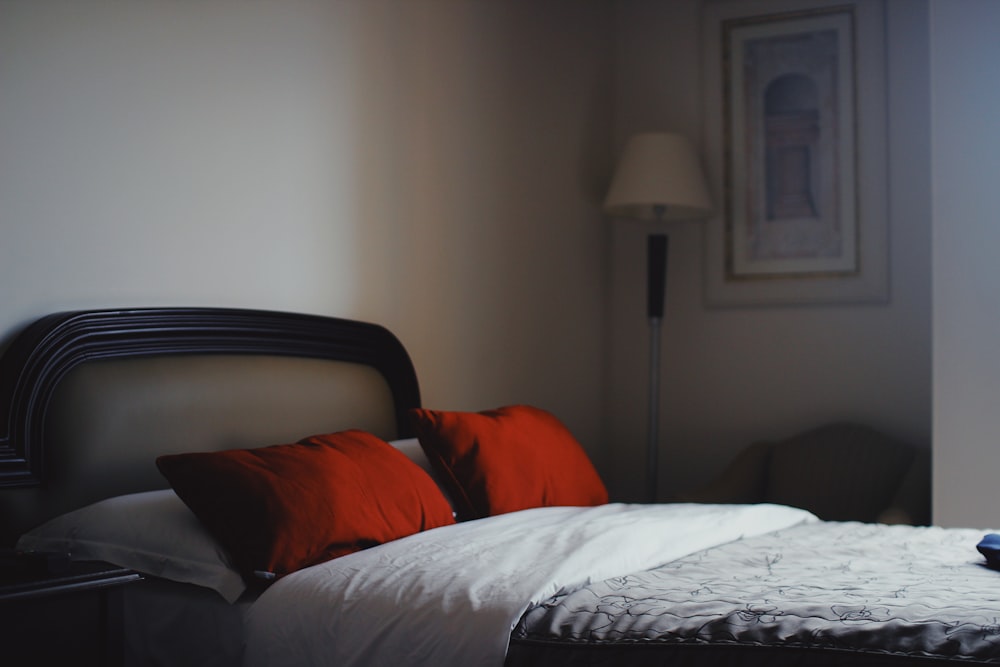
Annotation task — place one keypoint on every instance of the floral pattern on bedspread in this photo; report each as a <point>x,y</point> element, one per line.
<point>906,590</point>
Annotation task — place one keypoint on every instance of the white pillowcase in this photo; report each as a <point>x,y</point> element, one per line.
<point>152,532</point>
<point>411,447</point>
<point>155,533</point>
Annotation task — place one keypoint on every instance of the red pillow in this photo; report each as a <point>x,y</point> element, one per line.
<point>281,508</point>
<point>509,459</point>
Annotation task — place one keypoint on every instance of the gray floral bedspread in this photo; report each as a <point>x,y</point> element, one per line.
<point>838,588</point>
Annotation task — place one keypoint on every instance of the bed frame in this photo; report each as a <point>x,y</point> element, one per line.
<point>89,398</point>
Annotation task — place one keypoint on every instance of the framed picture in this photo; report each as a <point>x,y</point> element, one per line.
<point>796,138</point>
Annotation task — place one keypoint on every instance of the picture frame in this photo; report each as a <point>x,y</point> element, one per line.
<point>796,141</point>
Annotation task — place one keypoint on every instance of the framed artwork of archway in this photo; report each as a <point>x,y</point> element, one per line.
<point>795,108</point>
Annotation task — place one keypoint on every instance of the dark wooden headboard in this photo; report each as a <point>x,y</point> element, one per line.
<point>88,399</point>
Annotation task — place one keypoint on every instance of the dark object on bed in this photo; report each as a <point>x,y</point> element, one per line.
<point>840,472</point>
<point>989,547</point>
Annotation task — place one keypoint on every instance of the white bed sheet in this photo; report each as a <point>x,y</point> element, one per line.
<point>451,596</point>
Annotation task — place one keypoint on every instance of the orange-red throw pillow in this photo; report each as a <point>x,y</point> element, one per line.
<point>278,509</point>
<point>509,459</point>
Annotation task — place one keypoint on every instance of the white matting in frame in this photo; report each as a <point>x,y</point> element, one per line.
<point>795,109</point>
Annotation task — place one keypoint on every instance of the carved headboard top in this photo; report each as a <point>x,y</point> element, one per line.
<point>177,379</point>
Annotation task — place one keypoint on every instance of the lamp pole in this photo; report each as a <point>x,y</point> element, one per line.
<point>658,177</point>
<point>657,245</point>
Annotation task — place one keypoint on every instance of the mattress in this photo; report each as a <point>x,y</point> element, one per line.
<point>614,584</point>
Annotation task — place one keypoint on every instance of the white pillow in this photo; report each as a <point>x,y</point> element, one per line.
<point>411,447</point>
<point>152,532</point>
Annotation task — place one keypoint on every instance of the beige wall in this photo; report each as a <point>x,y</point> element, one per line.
<point>965,98</point>
<point>436,166</point>
<point>730,376</point>
<point>432,166</point>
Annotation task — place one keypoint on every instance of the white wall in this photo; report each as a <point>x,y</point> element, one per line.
<point>731,376</point>
<point>433,166</point>
<point>965,99</point>
<point>437,166</point>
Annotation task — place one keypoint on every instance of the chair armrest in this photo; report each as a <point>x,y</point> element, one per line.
<point>911,502</point>
<point>742,481</point>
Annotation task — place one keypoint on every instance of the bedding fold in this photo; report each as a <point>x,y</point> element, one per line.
<point>452,595</point>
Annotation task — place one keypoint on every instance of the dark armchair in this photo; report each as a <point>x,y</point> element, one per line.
<point>840,472</point>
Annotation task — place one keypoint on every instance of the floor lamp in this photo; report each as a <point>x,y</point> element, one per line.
<point>658,178</point>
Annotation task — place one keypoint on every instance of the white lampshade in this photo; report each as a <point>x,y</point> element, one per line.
<point>658,169</point>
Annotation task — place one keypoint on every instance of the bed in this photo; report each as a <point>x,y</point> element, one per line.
<point>289,501</point>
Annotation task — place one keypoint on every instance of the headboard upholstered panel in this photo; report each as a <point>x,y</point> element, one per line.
<point>89,399</point>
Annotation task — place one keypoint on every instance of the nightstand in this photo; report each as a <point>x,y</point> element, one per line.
<point>72,615</point>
